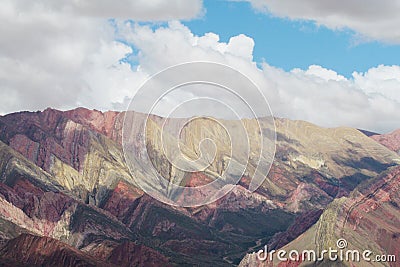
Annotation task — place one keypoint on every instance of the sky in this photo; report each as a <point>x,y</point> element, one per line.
<point>290,44</point>
<point>332,63</point>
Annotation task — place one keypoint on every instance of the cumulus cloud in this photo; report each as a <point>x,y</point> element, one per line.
<point>336,101</point>
<point>51,56</point>
<point>383,80</point>
<point>64,53</point>
<point>367,100</point>
<point>370,19</point>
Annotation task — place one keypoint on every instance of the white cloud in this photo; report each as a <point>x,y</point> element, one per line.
<point>335,102</point>
<point>382,80</point>
<point>320,72</point>
<point>140,10</point>
<point>317,94</point>
<point>377,20</point>
<point>63,53</point>
<point>49,56</point>
<point>175,44</point>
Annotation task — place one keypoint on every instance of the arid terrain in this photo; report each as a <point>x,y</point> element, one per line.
<point>67,197</point>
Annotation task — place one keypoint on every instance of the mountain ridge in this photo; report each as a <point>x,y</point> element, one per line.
<point>78,155</point>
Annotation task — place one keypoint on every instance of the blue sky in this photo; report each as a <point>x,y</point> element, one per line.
<point>289,44</point>
<point>96,55</point>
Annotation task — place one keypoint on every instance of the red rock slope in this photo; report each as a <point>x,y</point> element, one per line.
<point>30,250</point>
<point>390,140</point>
<point>368,219</point>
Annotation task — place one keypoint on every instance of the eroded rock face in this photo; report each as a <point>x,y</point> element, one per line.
<point>121,201</point>
<point>40,135</point>
<point>43,210</point>
<point>368,219</point>
<point>30,250</point>
<point>131,254</point>
<point>390,140</point>
<point>63,175</point>
<point>373,214</point>
<point>71,147</point>
<point>108,123</point>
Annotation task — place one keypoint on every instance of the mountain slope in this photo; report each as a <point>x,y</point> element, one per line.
<point>367,219</point>
<point>29,250</point>
<point>63,175</point>
<point>390,140</point>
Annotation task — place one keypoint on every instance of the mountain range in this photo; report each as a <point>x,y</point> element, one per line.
<point>68,198</point>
